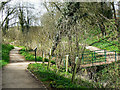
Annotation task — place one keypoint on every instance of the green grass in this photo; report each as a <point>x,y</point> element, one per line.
<point>104,44</point>
<point>56,80</point>
<point>6,48</point>
<point>31,57</point>
<point>107,46</point>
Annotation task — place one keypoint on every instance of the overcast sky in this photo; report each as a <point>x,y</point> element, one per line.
<point>39,8</point>
<point>37,4</point>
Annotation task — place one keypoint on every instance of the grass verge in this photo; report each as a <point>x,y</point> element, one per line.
<point>53,79</point>
<point>31,57</point>
<point>6,48</point>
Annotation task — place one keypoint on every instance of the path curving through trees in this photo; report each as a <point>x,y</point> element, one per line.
<point>15,74</point>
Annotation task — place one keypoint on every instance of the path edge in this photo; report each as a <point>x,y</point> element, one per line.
<point>32,74</point>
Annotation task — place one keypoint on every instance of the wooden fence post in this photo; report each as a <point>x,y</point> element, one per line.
<point>74,70</point>
<point>35,54</point>
<point>49,62</point>
<point>67,63</point>
<point>43,57</point>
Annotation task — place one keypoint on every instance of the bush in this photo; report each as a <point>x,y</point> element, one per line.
<point>110,74</point>
<point>46,60</point>
<point>53,62</point>
<point>39,58</point>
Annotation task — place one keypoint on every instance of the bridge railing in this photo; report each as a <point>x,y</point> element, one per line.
<point>100,56</point>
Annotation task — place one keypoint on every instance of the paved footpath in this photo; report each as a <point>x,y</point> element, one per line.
<point>15,75</point>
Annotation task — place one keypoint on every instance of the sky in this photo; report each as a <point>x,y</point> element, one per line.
<point>37,4</point>
<point>39,8</point>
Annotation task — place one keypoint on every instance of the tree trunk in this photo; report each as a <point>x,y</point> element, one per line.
<point>56,42</point>
<point>118,29</point>
<point>49,62</point>
<point>43,56</point>
<point>74,72</point>
<point>77,54</point>
<point>70,48</point>
<point>102,28</point>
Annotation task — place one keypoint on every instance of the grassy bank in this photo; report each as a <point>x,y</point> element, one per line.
<point>6,48</point>
<point>107,46</point>
<point>53,79</point>
<point>103,44</point>
<point>109,76</point>
<point>29,56</point>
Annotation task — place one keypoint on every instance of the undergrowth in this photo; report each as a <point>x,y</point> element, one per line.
<point>109,76</point>
<point>55,79</point>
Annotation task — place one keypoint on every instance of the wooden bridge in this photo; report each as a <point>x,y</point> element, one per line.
<point>107,57</point>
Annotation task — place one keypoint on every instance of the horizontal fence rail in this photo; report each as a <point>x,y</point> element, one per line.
<point>93,58</point>
<point>99,56</point>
